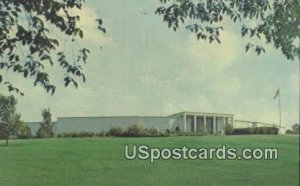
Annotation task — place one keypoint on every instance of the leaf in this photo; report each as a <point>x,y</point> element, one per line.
<point>81,34</point>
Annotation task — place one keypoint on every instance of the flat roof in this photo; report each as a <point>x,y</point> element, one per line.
<point>68,117</point>
<point>202,114</point>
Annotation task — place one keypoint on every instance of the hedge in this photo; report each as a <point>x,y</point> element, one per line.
<point>256,130</point>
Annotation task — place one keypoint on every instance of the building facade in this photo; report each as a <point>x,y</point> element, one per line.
<point>195,122</point>
<point>199,122</point>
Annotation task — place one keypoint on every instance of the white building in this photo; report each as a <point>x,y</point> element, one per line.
<point>196,122</point>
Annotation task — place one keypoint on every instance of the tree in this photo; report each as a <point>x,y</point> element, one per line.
<point>46,127</point>
<point>295,128</point>
<point>277,22</point>
<point>10,120</point>
<point>27,42</point>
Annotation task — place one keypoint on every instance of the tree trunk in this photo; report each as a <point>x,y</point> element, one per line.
<point>7,137</point>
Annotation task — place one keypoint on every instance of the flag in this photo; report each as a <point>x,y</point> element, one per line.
<point>276,94</point>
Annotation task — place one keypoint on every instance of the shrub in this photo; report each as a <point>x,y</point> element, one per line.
<point>177,129</point>
<point>115,131</point>
<point>256,130</point>
<point>152,131</point>
<point>40,133</point>
<point>24,132</point>
<point>101,134</point>
<point>86,134</point>
<point>74,135</point>
<point>134,131</point>
<point>67,134</point>
<point>228,129</point>
<point>202,130</point>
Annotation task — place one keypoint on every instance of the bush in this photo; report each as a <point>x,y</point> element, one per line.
<point>101,134</point>
<point>67,134</point>
<point>74,135</point>
<point>24,132</point>
<point>228,129</point>
<point>115,131</point>
<point>86,134</point>
<point>152,131</point>
<point>256,130</point>
<point>134,131</point>
<point>177,129</point>
<point>202,130</point>
<point>41,133</point>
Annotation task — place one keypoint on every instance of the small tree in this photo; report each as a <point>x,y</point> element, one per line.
<point>10,121</point>
<point>24,132</point>
<point>295,128</point>
<point>46,127</point>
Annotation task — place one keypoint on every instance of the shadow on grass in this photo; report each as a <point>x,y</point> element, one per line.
<point>11,143</point>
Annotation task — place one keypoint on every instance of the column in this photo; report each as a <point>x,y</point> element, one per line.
<point>214,126</point>
<point>184,122</point>
<point>224,125</point>
<point>195,123</point>
<point>205,123</point>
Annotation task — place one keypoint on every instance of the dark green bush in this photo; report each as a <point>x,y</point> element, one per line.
<point>134,131</point>
<point>177,129</point>
<point>86,134</point>
<point>256,130</point>
<point>101,134</point>
<point>24,132</point>
<point>115,131</point>
<point>229,129</point>
<point>152,131</point>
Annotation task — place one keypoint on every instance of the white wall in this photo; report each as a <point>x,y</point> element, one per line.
<point>99,124</point>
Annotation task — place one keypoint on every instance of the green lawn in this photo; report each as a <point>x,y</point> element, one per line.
<point>101,161</point>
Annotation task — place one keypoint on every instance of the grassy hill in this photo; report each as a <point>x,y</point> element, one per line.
<point>101,161</point>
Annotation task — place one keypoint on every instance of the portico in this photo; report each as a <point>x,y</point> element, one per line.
<point>209,123</point>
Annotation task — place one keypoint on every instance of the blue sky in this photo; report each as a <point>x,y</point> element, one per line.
<point>144,68</point>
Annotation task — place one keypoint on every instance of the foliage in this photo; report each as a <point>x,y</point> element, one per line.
<point>11,120</point>
<point>46,127</point>
<point>152,131</point>
<point>28,42</point>
<point>275,22</point>
<point>86,134</point>
<point>256,130</point>
<point>203,130</point>
<point>24,132</point>
<point>80,134</point>
<point>134,131</point>
<point>295,128</point>
<point>228,129</point>
<point>115,131</point>
<point>177,129</point>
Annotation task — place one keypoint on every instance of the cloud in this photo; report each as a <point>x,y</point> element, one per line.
<point>216,56</point>
<point>294,82</point>
<point>210,63</point>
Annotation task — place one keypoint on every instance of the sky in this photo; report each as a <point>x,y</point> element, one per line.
<point>141,67</point>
